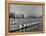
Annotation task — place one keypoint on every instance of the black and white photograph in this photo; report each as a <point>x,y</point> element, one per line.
<point>25,18</point>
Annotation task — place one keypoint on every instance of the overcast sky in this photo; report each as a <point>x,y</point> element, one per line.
<point>26,9</point>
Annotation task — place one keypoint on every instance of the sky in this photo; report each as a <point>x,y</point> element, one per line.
<point>26,9</point>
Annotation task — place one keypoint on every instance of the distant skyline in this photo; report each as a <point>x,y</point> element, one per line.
<point>26,9</point>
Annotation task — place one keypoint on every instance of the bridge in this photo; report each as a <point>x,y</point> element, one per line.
<point>28,27</point>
